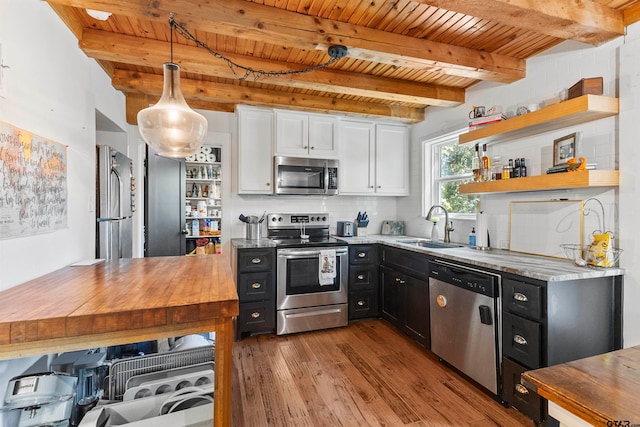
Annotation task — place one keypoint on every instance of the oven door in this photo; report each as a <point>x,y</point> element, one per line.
<point>298,283</point>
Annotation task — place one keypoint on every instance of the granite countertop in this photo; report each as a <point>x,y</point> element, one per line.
<point>533,266</point>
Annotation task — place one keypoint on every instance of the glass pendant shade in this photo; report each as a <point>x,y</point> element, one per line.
<point>170,127</point>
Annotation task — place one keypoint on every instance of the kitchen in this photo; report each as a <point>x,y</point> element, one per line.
<point>33,101</point>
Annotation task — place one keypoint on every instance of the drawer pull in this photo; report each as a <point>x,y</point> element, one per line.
<point>519,339</point>
<point>362,254</point>
<point>520,297</point>
<point>521,389</point>
<point>256,285</point>
<point>360,276</point>
<point>256,260</point>
<point>361,303</point>
<point>255,314</point>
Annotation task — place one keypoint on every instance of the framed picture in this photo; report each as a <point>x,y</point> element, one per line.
<point>564,148</point>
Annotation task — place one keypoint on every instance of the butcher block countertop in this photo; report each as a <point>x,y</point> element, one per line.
<point>124,301</point>
<point>603,390</point>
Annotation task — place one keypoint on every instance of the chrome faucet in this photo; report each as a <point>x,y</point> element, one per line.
<point>448,228</point>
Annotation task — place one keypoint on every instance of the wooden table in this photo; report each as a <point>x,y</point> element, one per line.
<point>602,390</point>
<point>125,301</point>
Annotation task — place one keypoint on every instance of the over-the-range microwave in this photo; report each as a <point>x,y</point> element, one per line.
<point>298,175</point>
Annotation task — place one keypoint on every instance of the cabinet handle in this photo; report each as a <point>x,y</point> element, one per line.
<point>399,280</point>
<point>379,186</point>
<point>313,148</point>
<point>518,296</point>
<point>256,285</point>
<point>371,186</point>
<point>361,254</point>
<point>256,260</point>
<point>360,276</point>
<point>402,282</point>
<point>255,314</point>
<point>305,147</point>
<point>268,184</point>
<point>519,339</point>
<point>521,389</point>
<point>361,303</point>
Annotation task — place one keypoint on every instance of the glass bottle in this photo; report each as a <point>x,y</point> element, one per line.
<point>523,168</point>
<point>486,164</point>
<point>516,168</point>
<point>496,169</point>
<point>475,165</point>
<point>434,231</point>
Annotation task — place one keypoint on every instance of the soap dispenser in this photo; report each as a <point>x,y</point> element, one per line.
<point>472,237</point>
<point>434,230</point>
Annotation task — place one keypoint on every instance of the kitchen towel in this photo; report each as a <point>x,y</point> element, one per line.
<point>327,267</point>
<point>482,234</point>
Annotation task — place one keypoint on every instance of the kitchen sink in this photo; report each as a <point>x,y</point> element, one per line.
<point>425,243</point>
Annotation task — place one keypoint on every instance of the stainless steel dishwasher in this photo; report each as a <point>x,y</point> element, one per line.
<point>465,321</point>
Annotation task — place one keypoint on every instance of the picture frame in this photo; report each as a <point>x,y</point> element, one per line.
<point>564,148</point>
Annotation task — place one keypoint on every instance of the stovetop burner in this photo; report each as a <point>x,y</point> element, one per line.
<point>285,230</point>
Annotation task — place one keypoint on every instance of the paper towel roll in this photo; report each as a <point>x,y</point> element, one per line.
<point>201,157</point>
<point>482,235</point>
<point>211,157</point>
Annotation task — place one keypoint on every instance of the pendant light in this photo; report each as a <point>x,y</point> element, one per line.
<point>170,127</point>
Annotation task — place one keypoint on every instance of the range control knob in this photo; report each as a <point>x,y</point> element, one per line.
<point>324,218</point>
<point>273,219</point>
<point>279,219</point>
<point>313,219</point>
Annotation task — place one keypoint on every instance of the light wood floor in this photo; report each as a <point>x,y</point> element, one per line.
<point>366,374</point>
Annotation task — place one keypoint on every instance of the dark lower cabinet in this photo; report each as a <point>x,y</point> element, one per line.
<point>405,303</point>
<point>548,323</point>
<point>363,281</point>
<point>255,274</point>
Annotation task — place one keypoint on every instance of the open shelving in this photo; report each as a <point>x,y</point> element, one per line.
<point>568,113</point>
<point>554,181</point>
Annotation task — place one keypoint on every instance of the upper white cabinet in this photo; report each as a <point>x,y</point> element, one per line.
<point>255,157</point>
<point>374,158</point>
<point>306,135</point>
<point>392,160</point>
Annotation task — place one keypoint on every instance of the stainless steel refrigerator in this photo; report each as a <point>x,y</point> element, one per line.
<point>114,238</point>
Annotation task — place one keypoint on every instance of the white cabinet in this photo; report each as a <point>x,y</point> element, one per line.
<point>374,158</point>
<point>392,160</point>
<point>306,135</point>
<point>255,158</point>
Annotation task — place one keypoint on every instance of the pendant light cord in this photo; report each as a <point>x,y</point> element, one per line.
<point>336,52</point>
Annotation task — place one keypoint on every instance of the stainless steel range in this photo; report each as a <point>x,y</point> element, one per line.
<point>312,273</point>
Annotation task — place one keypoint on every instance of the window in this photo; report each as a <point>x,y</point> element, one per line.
<point>451,165</point>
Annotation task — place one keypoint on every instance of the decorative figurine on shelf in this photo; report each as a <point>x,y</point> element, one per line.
<point>574,165</point>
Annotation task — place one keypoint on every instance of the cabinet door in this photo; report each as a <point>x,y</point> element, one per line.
<point>255,161</point>
<point>357,154</point>
<point>392,160</point>
<point>392,295</point>
<point>292,134</point>
<point>323,136</point>
<point>416,310</point>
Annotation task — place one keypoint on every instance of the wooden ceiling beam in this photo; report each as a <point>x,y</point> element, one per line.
<point>107,46</point>
<point>212,94</point>
<point>137,101</point>
<point>239,18</point>
<point>632,14</point>
<point>581,20</point>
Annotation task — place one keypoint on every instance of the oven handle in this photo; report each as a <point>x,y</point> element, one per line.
<point>297,253</point>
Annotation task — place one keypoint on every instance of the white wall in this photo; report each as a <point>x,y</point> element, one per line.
<point>607,142</point>
<point>53,90</point>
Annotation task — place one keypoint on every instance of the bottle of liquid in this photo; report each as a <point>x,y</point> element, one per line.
<point>516,168</point>
<point>486,164</point>
<point>472,237</point>
<point>476,165</point>
<point>434,230</point>
<point>523,168</point>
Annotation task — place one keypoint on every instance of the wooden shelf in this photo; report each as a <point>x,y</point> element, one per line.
<point>568,113</point>
<point>554,181</point>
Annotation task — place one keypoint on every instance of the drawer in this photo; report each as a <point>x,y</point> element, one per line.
<point>255,260</point>
<point>522,298</point>
<point>521,340</point>
<point>406,261</point>
<point>363,277</point>
<point>257,317</point>
<point>517,395</point>
<point>363,304</point>
<point>256,286</point>
<point>363,254</point>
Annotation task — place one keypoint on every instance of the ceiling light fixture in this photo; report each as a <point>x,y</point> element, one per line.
<point>170,127</point>
<point>98,14</point>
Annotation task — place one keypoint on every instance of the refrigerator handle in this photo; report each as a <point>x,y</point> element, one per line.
<point>121,192</point>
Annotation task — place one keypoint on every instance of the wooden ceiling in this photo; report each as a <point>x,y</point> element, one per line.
<point>403,56</point>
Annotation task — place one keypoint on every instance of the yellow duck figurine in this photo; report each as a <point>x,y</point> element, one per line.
<point>573,165</point>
